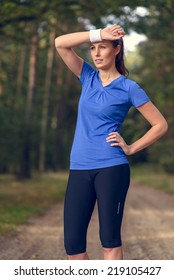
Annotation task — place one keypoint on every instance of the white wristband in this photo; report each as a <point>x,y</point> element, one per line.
<point>95,35</point>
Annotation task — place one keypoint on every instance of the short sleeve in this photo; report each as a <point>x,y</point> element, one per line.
<point>137,95</point>
<point>87,71</point>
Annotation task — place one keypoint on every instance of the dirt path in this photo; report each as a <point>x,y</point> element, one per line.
<point>148,231</point>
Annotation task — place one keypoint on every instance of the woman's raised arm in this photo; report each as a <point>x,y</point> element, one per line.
<point>65,44</point>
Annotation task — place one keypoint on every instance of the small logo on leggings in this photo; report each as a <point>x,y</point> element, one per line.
<point>118,209</point>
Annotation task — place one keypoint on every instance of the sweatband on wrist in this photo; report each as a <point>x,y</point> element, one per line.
<point>95,35</point>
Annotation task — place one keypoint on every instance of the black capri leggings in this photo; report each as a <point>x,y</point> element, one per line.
<point>109,187</point>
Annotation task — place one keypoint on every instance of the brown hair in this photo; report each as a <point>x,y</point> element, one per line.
<point>119,61</point>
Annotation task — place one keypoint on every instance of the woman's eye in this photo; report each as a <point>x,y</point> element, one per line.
<point>102,47</point>
<point>91,48</point>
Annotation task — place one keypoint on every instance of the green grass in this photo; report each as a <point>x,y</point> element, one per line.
<point>21,199</point>
<point>153,176</point>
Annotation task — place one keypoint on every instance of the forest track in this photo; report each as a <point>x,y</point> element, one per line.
<point>147,231</point>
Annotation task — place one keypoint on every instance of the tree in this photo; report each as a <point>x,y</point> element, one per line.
<point>33,124</point>
<point>156,71</point>
<point>46,101</point>
<point>25,162</point>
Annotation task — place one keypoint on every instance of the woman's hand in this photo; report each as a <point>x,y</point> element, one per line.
<point>114,32</point>
<point>119,141</point>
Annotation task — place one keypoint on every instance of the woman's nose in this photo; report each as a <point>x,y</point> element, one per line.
<point>97,52</point>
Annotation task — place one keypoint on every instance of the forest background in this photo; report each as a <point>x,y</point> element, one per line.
<point>39,96</point>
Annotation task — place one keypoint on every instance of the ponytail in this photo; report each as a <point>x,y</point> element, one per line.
<point>119,61</point>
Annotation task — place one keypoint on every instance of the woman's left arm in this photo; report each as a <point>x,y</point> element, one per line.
<point>158,129</point>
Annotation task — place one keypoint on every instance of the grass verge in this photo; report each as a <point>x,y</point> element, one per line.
<point>21,199</point>
<point>153,176</point>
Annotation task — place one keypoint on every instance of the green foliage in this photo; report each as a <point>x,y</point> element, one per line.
<point>156,71</point>
<point>162,153</point>
<point>151,66</point>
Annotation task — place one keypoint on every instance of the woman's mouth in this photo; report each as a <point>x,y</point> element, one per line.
<point>98,60</point>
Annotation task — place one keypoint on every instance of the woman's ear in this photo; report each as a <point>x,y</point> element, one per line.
<point>117,49</point>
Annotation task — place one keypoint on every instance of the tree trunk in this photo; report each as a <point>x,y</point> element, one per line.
<point>26,161</point>
<point>57,115</point>
<point>46,102</point>
<point>1,74</point>
<point>21,71</point>
<point>64,124</point>
<point>12,78</point>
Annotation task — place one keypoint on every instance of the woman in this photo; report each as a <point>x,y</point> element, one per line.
<point>99,169</point>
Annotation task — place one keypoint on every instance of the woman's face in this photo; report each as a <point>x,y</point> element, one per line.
<point>103,54</point>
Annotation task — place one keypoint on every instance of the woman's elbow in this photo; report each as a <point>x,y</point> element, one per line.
<point>164,127</point>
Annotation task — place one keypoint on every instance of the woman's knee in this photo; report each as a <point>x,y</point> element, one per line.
<point>113,253</point>
<point>111,250</point>
<point>73,257</point>
<point>107,250</point>
<point>81,256</point>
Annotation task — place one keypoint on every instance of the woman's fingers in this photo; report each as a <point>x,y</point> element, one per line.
<point>113,136</point>
<point>117,30</point>
<point>117,140</point>
<point>113,32</point>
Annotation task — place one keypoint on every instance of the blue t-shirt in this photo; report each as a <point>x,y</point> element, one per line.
<point>101,110</point>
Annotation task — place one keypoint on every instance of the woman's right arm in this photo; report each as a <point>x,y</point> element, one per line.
<point>64,46</point>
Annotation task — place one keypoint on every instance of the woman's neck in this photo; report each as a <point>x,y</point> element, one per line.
<point>108,76</point>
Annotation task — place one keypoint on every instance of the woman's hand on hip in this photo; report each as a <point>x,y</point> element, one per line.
<point>118,141</point>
